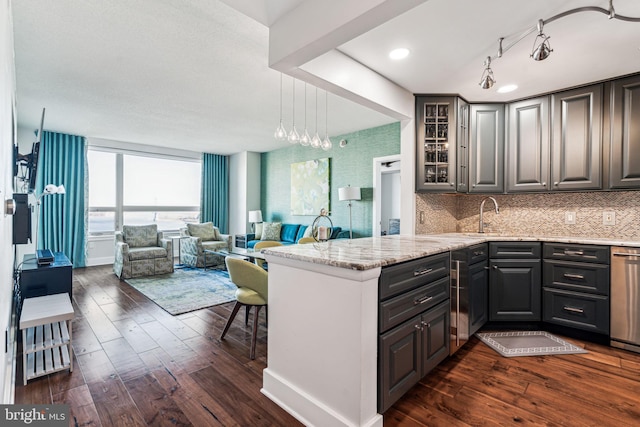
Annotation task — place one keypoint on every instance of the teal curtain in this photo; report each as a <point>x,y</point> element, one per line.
<point>61,227</point>
<point>214,201</point>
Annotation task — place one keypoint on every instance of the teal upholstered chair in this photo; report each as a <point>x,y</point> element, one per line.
<point>142,250</point>
<point>251,281</point>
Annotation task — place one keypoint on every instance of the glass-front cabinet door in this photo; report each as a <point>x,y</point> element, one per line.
<point>436,144</point>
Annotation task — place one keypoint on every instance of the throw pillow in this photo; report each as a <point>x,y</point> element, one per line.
<point>206,231</point>
<point>271,231</point>
<point>258,231</point>
<point>138,236</point>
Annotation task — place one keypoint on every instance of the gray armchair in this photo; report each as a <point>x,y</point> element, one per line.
<point>196,238</point>
<point>142,251</point>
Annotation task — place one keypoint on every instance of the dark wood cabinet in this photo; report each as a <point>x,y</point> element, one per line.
<point>55,278</point>
<point>515,281</point>
<point>576,286</point>
<point>436,129</point>
<point>486,148</point>
<point>624,163</point>
<point>413,326</point>
<point>478,296</point>
<point>576,142</point>
<point>242,239</point>
<point>528,145</point>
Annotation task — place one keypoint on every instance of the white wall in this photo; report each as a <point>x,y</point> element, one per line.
<point>244,190</point>
<point>390,190</point>
<point>7,130</point>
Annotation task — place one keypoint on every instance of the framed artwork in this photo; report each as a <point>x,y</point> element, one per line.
<point>310,187</point>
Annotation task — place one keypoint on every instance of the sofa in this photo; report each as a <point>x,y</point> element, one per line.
<point>289,234</point>
<point>142,250</point>
<point>195,238</point>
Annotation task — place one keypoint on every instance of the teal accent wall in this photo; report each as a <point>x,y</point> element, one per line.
<point>351,165</point>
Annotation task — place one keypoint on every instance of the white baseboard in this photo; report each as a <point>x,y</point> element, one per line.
<point>91,262</point>
<point>304,407</point>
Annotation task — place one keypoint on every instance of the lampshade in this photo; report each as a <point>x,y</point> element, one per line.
<point>255,216</point>
<point>349,193</point>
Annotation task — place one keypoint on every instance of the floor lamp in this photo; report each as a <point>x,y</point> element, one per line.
<point>349,193</point>
<point>45,256</point>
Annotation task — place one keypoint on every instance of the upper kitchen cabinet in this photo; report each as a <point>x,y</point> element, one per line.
<point>486,148</point>
<point>624,169</point>
<point>528,145</point>
<point>576,140</point>
<point>436,127</point>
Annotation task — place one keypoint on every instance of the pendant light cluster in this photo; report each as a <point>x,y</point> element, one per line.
<point>541,45</point>
<point>304,139</point>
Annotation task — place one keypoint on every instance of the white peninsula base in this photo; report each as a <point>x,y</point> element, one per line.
<point>322,343</point>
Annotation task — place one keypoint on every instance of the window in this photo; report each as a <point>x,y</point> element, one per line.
<point>135,189</point>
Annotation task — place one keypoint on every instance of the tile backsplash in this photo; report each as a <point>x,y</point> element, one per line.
<point>532,214</point>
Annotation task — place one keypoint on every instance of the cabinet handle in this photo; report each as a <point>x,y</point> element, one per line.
<point>422,300</point>
<point>574,276</point>
<point>428,325</point>
<point>555,183</point>
<point>544,184</point>
<point>418,327</point>
<point>478,253</point>
<point>570,252</point>
<point>452,183</point>
<point>573,310</point>
<point>495,267</point>
<point>422,272</point>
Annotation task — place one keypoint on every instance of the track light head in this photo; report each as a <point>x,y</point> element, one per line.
<point>487,80</point>
<point>541,46</point>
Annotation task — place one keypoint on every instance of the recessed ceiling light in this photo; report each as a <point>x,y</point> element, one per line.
<point>400,53</point>
<point>507,88</point>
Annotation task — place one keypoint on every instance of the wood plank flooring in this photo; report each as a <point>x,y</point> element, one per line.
<point>137,365</point>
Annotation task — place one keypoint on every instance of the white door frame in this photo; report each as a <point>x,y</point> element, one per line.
<point>377,180</point>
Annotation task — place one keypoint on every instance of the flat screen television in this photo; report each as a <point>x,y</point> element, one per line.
<point>32,165</point>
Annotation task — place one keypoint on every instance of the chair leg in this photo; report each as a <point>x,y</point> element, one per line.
<point>246,315</point>
<point>231,317</point>
<point>254,335</point>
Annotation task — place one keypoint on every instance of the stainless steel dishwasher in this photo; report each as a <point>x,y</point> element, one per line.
<point>625,298</point>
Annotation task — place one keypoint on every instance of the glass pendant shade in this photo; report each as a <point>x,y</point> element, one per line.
<point>294,136</point>
<point>281,133</point>
<point>316,142</point>
<point>326,143</point>
<point>305,139</point>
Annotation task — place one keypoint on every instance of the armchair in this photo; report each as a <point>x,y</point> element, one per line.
<point>198,237</point>
<point>142,251</point>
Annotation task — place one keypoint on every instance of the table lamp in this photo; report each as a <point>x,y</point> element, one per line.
<point>254,217</point>
<point>349,193</point>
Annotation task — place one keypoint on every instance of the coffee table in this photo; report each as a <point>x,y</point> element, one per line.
<point>249,254</point>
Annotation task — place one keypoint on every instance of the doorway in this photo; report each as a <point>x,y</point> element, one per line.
<point>386,195</point>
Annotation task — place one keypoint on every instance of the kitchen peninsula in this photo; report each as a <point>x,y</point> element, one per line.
<point>322,362</point>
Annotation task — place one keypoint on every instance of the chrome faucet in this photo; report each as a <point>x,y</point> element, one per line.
<point>495,202</point>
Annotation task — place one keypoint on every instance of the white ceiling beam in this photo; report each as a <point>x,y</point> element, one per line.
<point>304,40</point>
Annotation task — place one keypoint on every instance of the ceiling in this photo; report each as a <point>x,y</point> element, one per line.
<point>196,74</point>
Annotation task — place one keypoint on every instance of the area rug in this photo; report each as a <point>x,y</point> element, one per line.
<point>527,343</point>
<point>186,289</point>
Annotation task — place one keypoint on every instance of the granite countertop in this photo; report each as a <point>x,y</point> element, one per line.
<point>371,252</point>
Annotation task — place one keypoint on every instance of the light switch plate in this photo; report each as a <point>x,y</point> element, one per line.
<point>608,218</point>
<point>569,217</point>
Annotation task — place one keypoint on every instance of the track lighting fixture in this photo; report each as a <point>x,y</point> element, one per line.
<point>487,80</point>
<point>541,47</point>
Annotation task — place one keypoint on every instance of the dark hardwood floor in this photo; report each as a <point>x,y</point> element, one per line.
<point>135,364</point>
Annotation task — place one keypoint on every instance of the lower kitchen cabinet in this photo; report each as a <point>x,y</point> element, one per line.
<point>577,310</point>
<point>478,296</point>
<point>409,351</point>
<point>515,281</point>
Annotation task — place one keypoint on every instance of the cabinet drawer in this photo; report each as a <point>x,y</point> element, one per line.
<point>402,307</point>
<point>584,253</point>
<point>577,276</point>
<point>514,250</point>
<point>472,255</point>
<point>577,310</point>
<point>399,278</point>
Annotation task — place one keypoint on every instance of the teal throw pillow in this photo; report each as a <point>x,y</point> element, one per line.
<point>271,231</point>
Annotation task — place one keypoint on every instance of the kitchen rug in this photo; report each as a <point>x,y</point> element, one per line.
<point>187,289</point>
<point>527,343</point>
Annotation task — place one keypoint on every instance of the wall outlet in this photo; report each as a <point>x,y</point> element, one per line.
<point>569,217</point>
<point>608,218</point>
